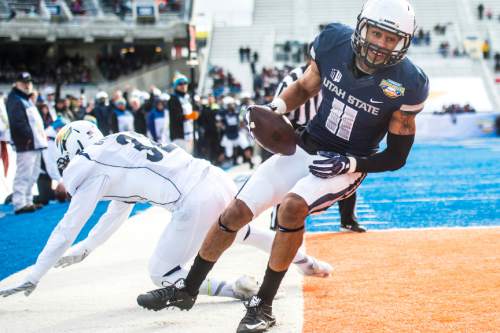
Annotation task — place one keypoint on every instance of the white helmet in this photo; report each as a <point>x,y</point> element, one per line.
<point>395,16</point>
<point>73,138</point>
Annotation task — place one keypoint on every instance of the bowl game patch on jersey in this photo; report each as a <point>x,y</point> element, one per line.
<point>392,89</point>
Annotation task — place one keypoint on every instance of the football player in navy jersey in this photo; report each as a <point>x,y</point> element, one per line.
<point>370,90</point>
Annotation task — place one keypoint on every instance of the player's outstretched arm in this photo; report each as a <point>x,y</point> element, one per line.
<point>25,287</point>
<point>81,207</point>
<point>301,90</point>
<point>115,215</point>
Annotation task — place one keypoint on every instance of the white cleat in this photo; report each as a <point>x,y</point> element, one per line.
<point>245,287</point>
<point>316,268</point>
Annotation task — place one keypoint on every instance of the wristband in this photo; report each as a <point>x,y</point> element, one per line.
<point>278,105</point>
<point>352,164</point>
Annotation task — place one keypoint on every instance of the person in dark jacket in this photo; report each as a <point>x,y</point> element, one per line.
<point>156,122</point>
<point>101,112</point>
<point>122,119</point>
<point>29,139</point>
<point>181,114</point>
<point>139,115</point>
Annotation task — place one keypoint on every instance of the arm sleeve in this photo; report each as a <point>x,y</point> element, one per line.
<point>391,159</point>
<point>80,209</point>
<point>50,159</point>
<point>117,213</point>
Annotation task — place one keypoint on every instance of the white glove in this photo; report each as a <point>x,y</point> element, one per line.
<point>73,257</point>
<point>26,287</point>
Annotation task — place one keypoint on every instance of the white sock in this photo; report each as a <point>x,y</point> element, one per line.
<point>263,240</point>
<point>214,287</point>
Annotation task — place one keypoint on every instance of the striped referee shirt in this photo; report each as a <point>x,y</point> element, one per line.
<point>303,114</point>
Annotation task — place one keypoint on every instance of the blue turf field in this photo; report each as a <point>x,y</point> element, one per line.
<point>443,184</point>
<point>22,237</point>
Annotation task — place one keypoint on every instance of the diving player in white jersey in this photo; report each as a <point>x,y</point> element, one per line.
<point>117,168</point>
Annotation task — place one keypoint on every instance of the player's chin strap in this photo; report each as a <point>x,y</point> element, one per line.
<point>284,229</point>
<point>224,228</point>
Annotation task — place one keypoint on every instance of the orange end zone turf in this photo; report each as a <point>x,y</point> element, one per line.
<point>444,280</point>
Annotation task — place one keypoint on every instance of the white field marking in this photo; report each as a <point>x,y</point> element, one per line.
<point>415,229</point>
<point>360,223</point>
<point>472,198</point>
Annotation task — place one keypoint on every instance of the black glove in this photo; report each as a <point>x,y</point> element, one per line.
<point>331,165</point>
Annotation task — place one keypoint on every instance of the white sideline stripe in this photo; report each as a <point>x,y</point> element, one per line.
<point>360,223</point>
<point>415,229</point>
<point>441,199</point>
<point>99,294</point>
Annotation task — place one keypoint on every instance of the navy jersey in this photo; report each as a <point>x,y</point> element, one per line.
<point>231,122</point>
<point>355,112</point>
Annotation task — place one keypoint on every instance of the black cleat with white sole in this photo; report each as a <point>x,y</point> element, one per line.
<point>352,226</point>
<point>174,295</point>
<point>259,317</point>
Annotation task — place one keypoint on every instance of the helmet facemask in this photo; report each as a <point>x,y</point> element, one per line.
<point>361,45</point>
<point>73,138</point>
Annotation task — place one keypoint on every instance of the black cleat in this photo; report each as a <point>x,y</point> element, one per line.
<point>259,317</point>
<point>174,295</point>
<point>352,226</point>
<point>25,209</point>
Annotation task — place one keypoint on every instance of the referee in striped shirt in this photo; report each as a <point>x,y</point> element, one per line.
<point>299,118</point>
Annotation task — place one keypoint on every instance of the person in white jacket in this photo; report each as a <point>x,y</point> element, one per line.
<point>127,168</point>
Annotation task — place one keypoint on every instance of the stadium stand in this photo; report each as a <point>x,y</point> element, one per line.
<point>83,7</point>
<point>25,6</point>
<point>275,22</point>
<point>4,10</point>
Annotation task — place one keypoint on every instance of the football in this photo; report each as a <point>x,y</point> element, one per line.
<point>272,131</point>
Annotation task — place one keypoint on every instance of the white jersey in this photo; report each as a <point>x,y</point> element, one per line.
<point>126,168</point>
<point>130,160</point>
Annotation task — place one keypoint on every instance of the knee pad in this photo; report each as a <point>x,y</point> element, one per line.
<point>285,229</point>
<point>224,228</point>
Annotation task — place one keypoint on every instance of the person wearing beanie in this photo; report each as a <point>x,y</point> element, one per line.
<point>181,114</point>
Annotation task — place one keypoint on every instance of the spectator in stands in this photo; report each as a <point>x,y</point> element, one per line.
<point>139,115</point>
<point>76,7</point>
<point>497,62</point>
<point>121,119</point>
<point>29,139</point>
<point>4,135</point>
<point>43,108</point>
<point>181,114</point>
<point>12,14</point>
<point>486,49</point>
<point>248,51</point>
<point>72,110</point>
<point>102,112</point>
<point>489,13</point>
<point>209,140</point>
<point>480,11</point>
<point>234,139</point>
<point>49,171</point>
<point>255,56</point>
<point>427,38</point>
<point>78,107</point>
<point>444,49</point>
<point>241,51</point>
<point>158,123</point>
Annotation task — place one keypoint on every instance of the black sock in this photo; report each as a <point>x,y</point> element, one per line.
<point>197,274</point>
<point>270,285</point>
